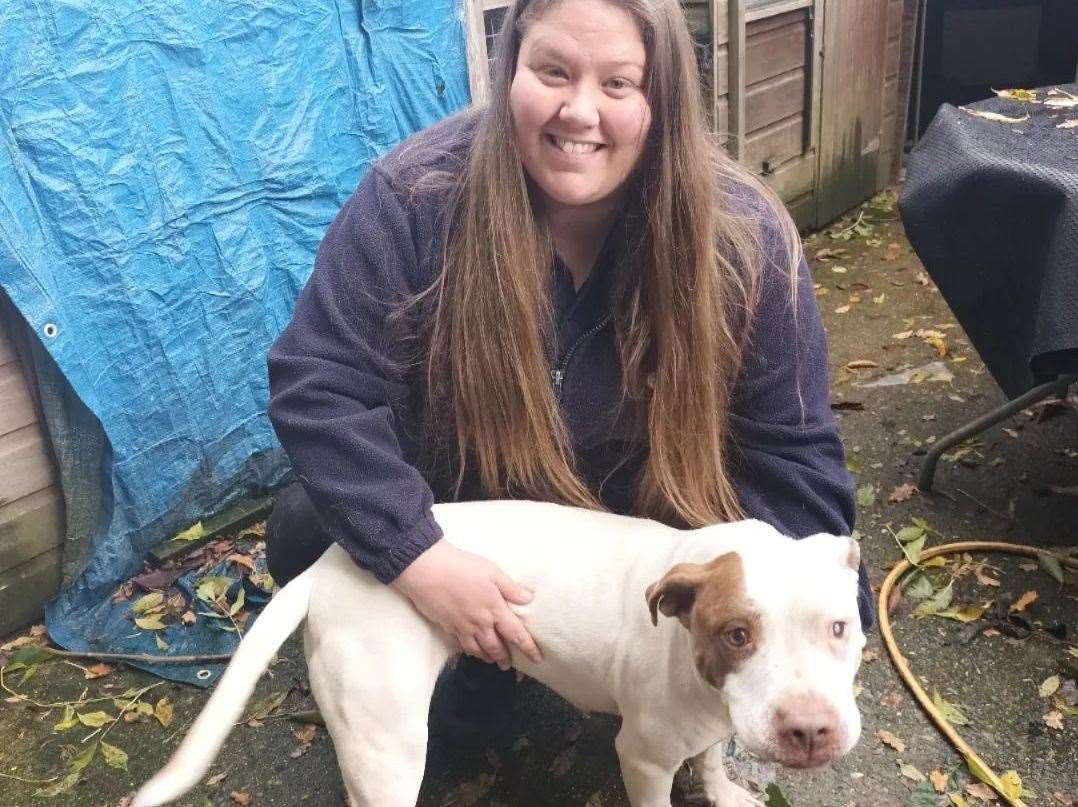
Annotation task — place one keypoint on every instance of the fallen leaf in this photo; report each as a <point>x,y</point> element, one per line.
<point>97,671</point>
<point>869,655</point>
<point>188,618</point>
<point>163,712</point>
<point>95,720</point>
<point>1049,686</point>
<point>216,779</point>
<point>829,253</point>
<point>949,710</point>
<point>192,533</point>
<point>902,493</point>
<point>242,560</point>
<point>901,335</point>
<point>265,707</point>
<point>887,738</point>
<point>1023,602</point>
<point>1012,784</point>
<point>967,613</point>
<point>114,757</point>
<point>861,364</point>
<point>939,780</point>
<point>1017,95</point>
<point>957,800</point>
<point>69,720</point>
<point>150,622</point>
<point>147,603</point>
<point>1054,719</point>
<point>241,798</point>
<point>911,772</point>
<point>1052,566</point>
<point>979,790</point>
<point>866,495</point>
<point>1065,799</point>
<point>842,309</point>
<point>993,116</point>
<point>937,602</point>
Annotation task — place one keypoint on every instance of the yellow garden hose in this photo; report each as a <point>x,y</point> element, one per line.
<point>972,760</point>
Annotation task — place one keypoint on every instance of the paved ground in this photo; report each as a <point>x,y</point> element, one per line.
<point>999,487</point>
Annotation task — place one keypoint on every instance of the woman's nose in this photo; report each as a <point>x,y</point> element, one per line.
<point>580,108</point>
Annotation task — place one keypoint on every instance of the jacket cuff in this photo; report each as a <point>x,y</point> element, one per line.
<point>388,565</point>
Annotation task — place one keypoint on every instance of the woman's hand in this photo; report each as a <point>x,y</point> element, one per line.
<point>468,596</point>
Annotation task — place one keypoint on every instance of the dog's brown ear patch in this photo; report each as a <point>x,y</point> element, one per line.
<point>675,593</point>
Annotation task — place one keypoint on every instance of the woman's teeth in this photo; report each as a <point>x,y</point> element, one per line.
<point>573,147</point>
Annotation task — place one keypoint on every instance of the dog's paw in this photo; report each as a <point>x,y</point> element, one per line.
<point>732,795</point>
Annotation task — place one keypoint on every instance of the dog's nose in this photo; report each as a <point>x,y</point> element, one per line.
<point>807,727</point>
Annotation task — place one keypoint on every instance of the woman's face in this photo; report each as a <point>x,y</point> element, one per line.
<point>580,116</point>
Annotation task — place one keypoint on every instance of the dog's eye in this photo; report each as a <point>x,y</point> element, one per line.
<point>738,637</point>
<point>838,629</point>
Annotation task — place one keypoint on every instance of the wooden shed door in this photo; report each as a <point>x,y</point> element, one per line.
<point>851,125</point>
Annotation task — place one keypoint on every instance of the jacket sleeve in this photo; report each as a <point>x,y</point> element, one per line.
<point>337,385</point>
<point>788,463</point>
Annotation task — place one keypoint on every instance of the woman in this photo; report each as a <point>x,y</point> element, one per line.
<point>571,295</point>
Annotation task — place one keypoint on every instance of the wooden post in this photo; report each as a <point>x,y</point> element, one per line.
<point>736,73</point>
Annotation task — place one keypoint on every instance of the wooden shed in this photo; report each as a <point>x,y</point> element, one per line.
<point>31,504</point>
<point>811,93</point>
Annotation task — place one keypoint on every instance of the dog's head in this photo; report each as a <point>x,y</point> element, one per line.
<point>775,628</point>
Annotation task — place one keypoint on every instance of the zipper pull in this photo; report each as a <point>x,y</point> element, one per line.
<point>557,375</point>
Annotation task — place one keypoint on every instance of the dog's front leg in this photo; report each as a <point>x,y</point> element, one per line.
<point>710,768</point>
<point>647,768</point>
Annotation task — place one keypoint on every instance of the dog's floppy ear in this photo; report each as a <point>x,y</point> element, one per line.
<point>675,593</point>
<point>853,554</point>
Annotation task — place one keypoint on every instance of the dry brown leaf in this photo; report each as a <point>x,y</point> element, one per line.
<point>188,618</point>
<point>97,671</point>
<point>983,578</point>
<point>938,779</point>
<point>829,253</point>
<point>892,252</point>
<point>1023,602</point>
<point>242,560</point>
<point>842,309</point>
<point>1066,799</point>
<point>902,493</point>
<point>216,779</point>
<point>241,798</point>
<point>887,738</point>
<point>979,790</point>
<point>306,733</point>
<point>861,364</point>
<point>869,655</point>
<point>1054,719</point>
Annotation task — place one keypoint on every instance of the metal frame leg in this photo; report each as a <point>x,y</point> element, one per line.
<point>928,466</point>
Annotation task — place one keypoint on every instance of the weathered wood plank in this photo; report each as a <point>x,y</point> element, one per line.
<point>30,527</point>
<point>25,589</point>
<point>778,8</point>
<point>768,18</point>
<point>27,463</point>
<point>16,405</point>
<point>735,89</point>
<point>794,179</point>
<point>242,514</point>
<point>891,60</point>
<point>850,130</point>
<point>894,19</point>
<point>774,52</point>
<point>773,145</point>
<point>774,99</point>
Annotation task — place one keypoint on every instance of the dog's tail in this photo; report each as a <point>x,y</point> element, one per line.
<point>281,616</point>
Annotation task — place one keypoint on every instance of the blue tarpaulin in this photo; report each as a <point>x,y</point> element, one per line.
<point>167,170</point>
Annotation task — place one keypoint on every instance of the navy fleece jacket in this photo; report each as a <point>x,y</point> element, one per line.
<point>346,398</point>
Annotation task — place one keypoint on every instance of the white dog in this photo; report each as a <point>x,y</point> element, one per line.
<point>765,642</point>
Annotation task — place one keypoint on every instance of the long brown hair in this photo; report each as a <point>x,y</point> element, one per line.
<point>680,314</point>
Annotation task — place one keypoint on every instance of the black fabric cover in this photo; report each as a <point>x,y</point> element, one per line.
<point>992,211</point>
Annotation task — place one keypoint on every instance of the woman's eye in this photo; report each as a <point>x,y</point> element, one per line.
<point>553,72</point>
<point>620,84</point>
<point>838,629</point>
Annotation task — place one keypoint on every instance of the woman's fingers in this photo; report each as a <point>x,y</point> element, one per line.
<point>495,649</point>
<point>512,630</point>
<point>471,647</point>
<point>511,590</point>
